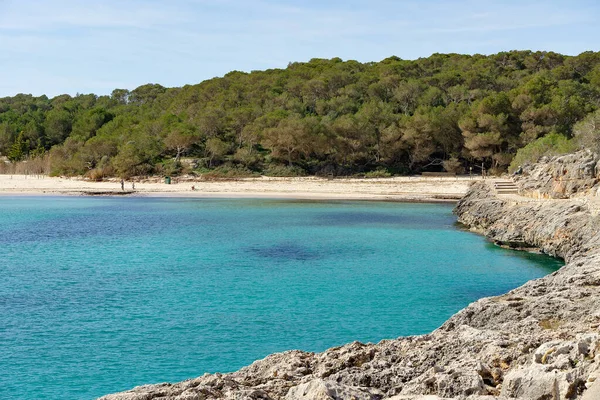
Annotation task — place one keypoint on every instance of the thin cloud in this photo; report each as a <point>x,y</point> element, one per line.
<point>492,28</point>
<point>508,17</point>
<point>39,15</point>
<point>80,46</point>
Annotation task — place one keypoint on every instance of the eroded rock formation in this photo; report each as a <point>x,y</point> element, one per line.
<point>571,175</point>
<point>540,341</point>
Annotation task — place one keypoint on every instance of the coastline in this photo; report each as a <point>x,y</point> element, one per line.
<point>538,341</point>
<point>407,189</point>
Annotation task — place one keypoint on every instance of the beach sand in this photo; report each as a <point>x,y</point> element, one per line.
<point>414,188</point>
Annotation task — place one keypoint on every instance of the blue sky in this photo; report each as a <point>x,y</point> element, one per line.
<point>82,46</point>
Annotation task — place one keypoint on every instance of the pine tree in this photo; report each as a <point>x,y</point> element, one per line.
<point>19,148</point>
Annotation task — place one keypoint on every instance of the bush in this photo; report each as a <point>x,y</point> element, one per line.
<point>98,174</point>
<point>550,145</point>
<point>587,132</point>
<point>226,172</point>
<point>453,165</point>
<point>247,157</point>
<point>169,167</point>
<point>378,173</point>
<point>284,170</point>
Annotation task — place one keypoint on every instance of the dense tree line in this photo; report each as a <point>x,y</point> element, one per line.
<point>447,111</point>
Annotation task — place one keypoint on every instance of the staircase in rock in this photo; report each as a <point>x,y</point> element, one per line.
<point>506,187</point>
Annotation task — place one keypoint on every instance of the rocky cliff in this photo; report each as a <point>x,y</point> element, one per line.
<point>540,341</point>
<point>571,175</point>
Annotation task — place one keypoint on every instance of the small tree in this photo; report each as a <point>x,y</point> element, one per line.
<point>180,141</point>
<point>216,150</point>
<point>587,132</point>
<point>19,149</point>
<point>453,165</point>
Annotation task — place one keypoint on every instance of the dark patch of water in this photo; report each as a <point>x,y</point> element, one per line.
<point>286,251</point>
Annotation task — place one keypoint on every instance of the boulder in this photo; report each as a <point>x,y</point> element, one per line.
<point>320,389</point>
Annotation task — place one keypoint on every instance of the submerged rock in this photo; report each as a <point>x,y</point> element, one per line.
<point>540,341</point>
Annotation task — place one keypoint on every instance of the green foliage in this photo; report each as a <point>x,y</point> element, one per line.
<point>169,167</point>
<point>225,172</point>
<point>320,117</point>
<point>283,170</point>
<point>587,132</point>
<point>18,150</point>
<point>453,165</point>
<point>549,145</point>
<point>378,173</point>
<point>64,159</point>
<point>137,157</point>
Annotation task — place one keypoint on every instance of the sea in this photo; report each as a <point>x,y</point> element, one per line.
<point>98,295</point>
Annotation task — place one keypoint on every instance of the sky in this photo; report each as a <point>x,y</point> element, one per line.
<point>53,47</point>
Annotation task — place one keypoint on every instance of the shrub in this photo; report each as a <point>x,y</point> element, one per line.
<point>454,165</point>
<point>284,170</point>
<point>169,167</point>
<point>227,172</point>
<point>550,145</point>
<point>378,173</point>
<point>98,174</point>
<point>587,132</point>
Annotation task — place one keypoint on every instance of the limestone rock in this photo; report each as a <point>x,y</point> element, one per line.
<point>571,175</point>
<point>319,389</point>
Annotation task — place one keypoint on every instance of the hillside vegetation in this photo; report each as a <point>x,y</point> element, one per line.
<point>445,112</point>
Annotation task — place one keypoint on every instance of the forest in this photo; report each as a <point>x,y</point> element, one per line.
<point>446,112</point>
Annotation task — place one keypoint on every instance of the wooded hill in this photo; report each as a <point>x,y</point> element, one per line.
<point>447,111</point>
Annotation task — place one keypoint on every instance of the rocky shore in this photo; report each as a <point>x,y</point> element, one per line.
<point>540,341</point>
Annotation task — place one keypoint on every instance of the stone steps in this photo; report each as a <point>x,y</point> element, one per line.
<point>506,187</point>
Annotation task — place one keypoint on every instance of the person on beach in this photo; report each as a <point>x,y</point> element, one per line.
<point>132,185</point>
<point>122,185</point>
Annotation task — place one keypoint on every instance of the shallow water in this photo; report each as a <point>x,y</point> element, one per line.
<point>102,294</point>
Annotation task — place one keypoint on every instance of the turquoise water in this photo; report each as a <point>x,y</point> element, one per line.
<point>102,294</point>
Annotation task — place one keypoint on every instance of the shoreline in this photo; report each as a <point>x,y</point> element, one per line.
<point>402,189</point>
<point>230,196</point>
<point>540,340</point>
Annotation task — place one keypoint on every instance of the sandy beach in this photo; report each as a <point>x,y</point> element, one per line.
<point>415,188</point>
